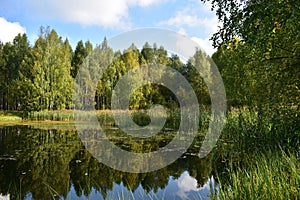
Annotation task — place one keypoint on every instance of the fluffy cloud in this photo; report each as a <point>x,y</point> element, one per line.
<point>109,14</point>
<point>9,30</point>
<point>185,184</point>
<point>206,44</point>
<point>182,18</point>
<point>182,31</point>
<point>184,45</point>
<point>194,21</point>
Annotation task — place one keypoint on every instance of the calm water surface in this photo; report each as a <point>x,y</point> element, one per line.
<point>52,163</point>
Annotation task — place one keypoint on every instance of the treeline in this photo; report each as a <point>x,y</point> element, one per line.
<point>258,60</point>
<point>42,76</point>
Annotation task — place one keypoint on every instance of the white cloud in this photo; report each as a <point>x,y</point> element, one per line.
<point>196,19</point>
<point>185,184</point>
<point>145,3</point>
<point>109,14</point>
<point>184,44</point>
<point>182,18</point>
<point>206,44</point>
<point>9,30</point>
<point>182,31</point>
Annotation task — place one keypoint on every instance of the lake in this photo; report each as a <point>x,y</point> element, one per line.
<point>50,162</point>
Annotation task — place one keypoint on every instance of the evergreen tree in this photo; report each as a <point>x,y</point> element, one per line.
<point>79,55</point>
<point>12,56</point>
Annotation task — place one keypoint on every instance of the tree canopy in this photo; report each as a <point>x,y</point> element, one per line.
<point>258,55</point>
<point>43,76</point>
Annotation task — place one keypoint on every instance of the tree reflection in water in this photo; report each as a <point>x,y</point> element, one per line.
<point>53,163</point>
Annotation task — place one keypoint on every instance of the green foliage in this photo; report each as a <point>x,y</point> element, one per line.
<point>255,160</point>
<point>90,72</point>
<point>51,67</point>
<point>141,118</point>
<point>200,75</point>
<point>263,24</point>
<point>80,54</point>
<point>258,55</point>
<point>44,76</point>
<point>41,79</point>
<point>270,176</point>
<point>11,58</point>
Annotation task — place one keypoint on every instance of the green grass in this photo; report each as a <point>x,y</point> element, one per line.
<point>268,176</point>
<point>6,116</point>
<point>10,118</point>
<point>258,158</point>
<point>61,115</point>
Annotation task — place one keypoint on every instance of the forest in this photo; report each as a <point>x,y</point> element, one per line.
<point>42,76</point>
<point>257,54</point>
<point>258,59</point>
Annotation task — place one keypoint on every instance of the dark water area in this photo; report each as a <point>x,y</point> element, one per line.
<point>46,163</point>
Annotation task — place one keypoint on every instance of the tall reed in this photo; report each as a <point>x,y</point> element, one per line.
<point>269,176</point>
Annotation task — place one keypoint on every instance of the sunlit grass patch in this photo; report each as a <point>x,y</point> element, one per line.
<point>9,116</point>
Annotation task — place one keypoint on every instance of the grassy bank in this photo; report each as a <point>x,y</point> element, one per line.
<point>258,158</point>
<point>267,176</point>
<point>105,117</point>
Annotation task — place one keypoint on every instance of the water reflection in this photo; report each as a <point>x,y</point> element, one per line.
<point>185,187</point>
<point>50,163</point>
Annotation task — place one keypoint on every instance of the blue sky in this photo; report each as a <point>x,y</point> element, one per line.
<point>95,19</point>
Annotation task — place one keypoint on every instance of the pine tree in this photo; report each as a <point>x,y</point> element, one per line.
<point>79,55</point>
